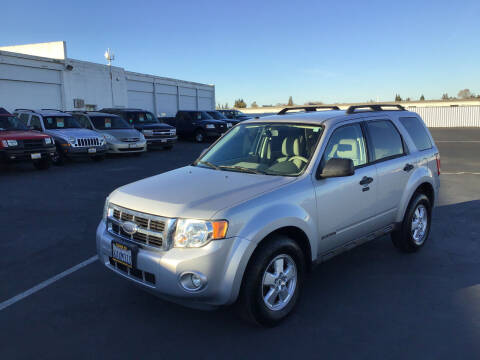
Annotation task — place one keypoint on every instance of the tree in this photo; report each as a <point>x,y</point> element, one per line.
<point>465,94</point>
<point>445,96</point>
<point>408,99</point>
<point>398,97</point>
<point>254,105</point>
<point>239,103</point>
<point>422,98</point>
<point>290,101</point>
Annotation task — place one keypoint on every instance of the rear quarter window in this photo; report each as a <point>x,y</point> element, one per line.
<point>385,140</point>
<point>417,132</point>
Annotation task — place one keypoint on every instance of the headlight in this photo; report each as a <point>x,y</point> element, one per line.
<point>210,126</point>
<point>48,141</point>
<point>147,132</point>
<point>191,233</point>
<point>102,141</point>
<point>229,125</point>
<point>7,143</point>
<point>109,137</point>
<point>71,140</point>
<point>142,137</point>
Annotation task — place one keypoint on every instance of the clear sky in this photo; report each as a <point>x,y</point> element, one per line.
<point>265,51</point>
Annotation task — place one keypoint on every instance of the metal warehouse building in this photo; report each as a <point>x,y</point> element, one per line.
<point>42,76</point>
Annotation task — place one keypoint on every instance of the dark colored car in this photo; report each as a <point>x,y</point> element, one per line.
<point>18,143</point>
<point>155,132</point>
<point>235,115</point>
<point>198,124</point>
<point>217,115</point>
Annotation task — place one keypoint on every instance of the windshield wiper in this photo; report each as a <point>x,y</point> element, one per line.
<point>209,164</point>
<point>242,169</point>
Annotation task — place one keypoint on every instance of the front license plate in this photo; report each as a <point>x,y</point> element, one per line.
<point>164,140</point>
<point>132,146</point>
<point>122,254</point>
<point>92,150</point>
<point>36,156</point>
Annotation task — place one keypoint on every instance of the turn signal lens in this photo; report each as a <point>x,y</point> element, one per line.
<point>219,229</point>
<point>437,157</point>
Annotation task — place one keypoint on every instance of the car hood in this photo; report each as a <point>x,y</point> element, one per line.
<point>76,133</point>
<point>153,126</point>
<point>121,133</point>
<point>20,135</point>
<point>194,192</point>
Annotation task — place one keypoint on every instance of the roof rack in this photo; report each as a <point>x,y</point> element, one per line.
<point>308,108</point>
<point>55,110</point>
<point>374,107</point>
<point>25,110</point>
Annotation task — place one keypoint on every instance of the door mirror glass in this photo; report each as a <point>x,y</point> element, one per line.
<point>336,167</point>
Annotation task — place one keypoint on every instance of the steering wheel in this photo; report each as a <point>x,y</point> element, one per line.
<point>297,157</point>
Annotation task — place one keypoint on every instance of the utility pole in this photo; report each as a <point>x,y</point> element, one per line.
<point>110,56</point>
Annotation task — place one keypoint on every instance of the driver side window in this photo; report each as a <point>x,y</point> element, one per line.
<point>347,142</point>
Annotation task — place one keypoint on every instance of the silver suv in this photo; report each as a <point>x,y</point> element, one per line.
<point>70,138</point>
<point>271,198</point>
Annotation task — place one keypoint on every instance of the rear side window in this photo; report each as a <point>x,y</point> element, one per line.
<point>417,132</point>
<point>386,141</point>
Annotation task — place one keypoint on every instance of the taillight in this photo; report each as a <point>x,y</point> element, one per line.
<point>437,157</point>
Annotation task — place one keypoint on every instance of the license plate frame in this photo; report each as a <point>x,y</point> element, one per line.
<point>92,150</point>
<point>36,156</point>
<point>132,146</point>
<point>121,251</point>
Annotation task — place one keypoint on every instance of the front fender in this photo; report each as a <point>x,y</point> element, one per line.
<point>420,175</point>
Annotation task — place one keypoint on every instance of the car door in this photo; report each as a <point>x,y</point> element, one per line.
<point>346,205</point>
<point>394,167</point>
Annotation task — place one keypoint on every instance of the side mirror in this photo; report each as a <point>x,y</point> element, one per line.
<point>336,167</point>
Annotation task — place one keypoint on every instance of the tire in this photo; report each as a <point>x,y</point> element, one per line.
<point>254,290</point>
<point>59,158</point>
<point>200,136</point>
<point>43,164</point>
<point>98,158</point>
<point>411,240</point>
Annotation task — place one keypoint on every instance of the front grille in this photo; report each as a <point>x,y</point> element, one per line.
<point>88,142</point>
<point>129,140</point>
<point>151,229</point>
<point>32,144</point>
<point>140,275</point>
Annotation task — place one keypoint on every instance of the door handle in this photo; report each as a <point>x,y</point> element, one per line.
<point>366,180</point>
<point>408,167</point>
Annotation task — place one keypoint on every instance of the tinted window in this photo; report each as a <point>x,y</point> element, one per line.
<point>24,118</point>
<point>347,142</point>
<point>60,122</point>
<point>140,117</point>
<point>35,123</point>
<point>11,123</point>
<point>83,121</point>
<point>417,132</point>
<point>386,140</point>
<point>109,122</point>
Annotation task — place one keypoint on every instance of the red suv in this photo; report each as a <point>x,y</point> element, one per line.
<point>18,143</point>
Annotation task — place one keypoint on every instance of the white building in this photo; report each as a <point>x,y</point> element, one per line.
<point>41,75</point>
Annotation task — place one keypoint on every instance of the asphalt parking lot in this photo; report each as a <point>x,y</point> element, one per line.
<point>370,303</point>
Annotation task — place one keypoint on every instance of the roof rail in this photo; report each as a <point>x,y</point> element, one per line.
<point>307,108</point>
<point>374,107</point>
<point>25,110</point>
<point>54,110</point>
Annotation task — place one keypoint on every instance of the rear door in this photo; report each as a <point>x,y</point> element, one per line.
<point>346,205</point>
<point>389,152</point>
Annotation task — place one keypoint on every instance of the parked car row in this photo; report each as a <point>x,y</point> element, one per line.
<point>51,135</point>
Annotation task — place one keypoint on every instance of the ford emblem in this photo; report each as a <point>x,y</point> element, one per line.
<point>129,227</point>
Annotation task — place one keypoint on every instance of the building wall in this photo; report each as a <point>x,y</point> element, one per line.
<point>52,50</point>
<point>32,82</point>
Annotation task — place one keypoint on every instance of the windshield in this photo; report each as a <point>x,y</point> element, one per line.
<point>272,149</point>
<point>60,122</point>
<point>109,122</point>
<point>217,115</point>
<point>11,123</point>
<point>140,117</point>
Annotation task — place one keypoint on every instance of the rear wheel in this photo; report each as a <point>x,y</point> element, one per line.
<point>272,282</point>
<point>415,227</point>
<point>42,164</point>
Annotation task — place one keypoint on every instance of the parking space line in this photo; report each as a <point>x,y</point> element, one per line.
<point>46,283</point>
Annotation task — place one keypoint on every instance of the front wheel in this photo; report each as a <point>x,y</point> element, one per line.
<point>59,158</point>
<point>272,282</point>
<point>200,136</point>
<point>415,227</point>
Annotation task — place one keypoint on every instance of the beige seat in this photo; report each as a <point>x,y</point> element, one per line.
<point>293,146</point>
<point>347,149</point>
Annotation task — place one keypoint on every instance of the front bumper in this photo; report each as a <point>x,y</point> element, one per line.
<point>161,141</point>
<point>19,154</point>
<point>125,147</point>
<point>72,151</point>
<point>222,262</point>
